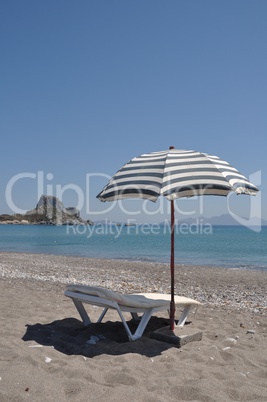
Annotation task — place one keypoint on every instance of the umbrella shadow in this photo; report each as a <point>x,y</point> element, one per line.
<point>70,337</point>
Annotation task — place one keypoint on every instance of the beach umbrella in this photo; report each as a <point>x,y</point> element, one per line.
<point>175,174</point>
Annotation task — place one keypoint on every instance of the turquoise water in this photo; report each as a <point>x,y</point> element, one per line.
<point>226,246</point>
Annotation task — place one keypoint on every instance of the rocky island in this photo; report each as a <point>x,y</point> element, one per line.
<point>48,211</point>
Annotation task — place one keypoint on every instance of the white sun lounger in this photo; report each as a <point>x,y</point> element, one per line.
<point>146,303</point>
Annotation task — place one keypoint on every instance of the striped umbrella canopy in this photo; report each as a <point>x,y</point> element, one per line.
<point>175,174</point>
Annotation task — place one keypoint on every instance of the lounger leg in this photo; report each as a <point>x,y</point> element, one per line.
<point>143,323</point>
<point>141,326</point>
<point>135,316</point>
<point>130,335</point>
<point>183,316</point>
<point>102,315</point>
<point>82,312</point>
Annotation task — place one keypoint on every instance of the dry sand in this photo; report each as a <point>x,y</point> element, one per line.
<point>44,354</point>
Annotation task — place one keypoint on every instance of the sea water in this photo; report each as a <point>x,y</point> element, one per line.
<point>221,246</point>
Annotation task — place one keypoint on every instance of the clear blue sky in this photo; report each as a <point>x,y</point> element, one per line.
<point>87,85</point>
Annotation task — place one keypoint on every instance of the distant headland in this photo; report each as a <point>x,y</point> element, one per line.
<point>48,211</point>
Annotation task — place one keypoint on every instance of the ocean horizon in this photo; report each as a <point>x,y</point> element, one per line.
<point>234,247</point>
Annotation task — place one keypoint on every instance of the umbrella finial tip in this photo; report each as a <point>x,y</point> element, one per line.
<point>171,147</point>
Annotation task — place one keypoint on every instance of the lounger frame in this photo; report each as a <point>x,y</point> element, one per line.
<point>79,299</point>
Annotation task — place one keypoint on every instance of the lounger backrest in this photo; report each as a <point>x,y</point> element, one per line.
<point>95,291</point>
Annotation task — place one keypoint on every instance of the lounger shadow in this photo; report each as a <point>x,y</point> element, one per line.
<point>140,303</point>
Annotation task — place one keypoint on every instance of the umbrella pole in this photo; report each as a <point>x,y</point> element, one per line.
<point>172,304</point>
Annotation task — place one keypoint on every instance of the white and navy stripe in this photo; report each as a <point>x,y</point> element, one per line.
<point>175,174</point>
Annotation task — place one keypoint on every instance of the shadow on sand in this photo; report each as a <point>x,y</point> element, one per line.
<point>70,337</point>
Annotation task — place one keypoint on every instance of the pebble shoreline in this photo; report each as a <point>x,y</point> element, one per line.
<point>216,287</point>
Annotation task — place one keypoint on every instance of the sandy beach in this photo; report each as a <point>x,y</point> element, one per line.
<point>45,355</point>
